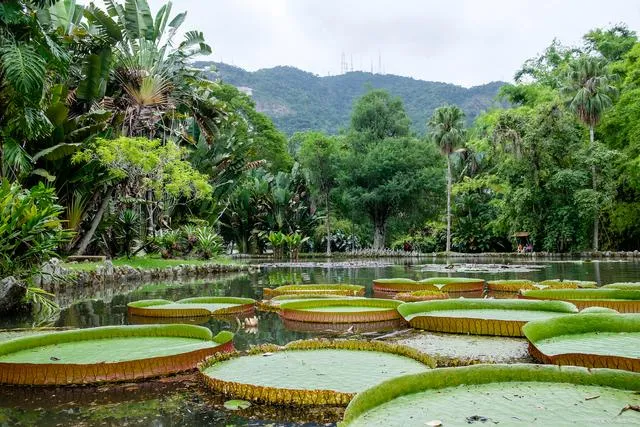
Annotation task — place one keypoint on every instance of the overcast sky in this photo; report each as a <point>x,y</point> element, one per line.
<point>466,42</point>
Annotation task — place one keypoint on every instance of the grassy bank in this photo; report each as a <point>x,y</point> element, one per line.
<point>148,263</point>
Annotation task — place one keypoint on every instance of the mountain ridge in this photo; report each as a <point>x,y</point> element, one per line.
<point>298,100</point>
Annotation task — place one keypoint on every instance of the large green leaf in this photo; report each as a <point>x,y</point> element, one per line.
<point>96,71</point>
<point>23,68</point>
<point>57,152</point>
<point>104,22</point>
<point>138,19</point>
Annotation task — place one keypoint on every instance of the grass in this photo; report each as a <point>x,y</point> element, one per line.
<point>147,262</point>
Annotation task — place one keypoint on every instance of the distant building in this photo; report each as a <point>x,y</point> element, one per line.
<point>246,90</point>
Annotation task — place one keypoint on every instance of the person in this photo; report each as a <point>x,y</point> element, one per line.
<point>529,247</point>
<point>519,248</point>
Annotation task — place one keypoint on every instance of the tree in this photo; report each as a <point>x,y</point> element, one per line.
<point>589,86</point>
<point>378,115</point>
<point>320,156</point>
<point>446,129</point>
<point>397,176</point>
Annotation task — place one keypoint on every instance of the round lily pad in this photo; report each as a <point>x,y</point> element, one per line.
<point>629,286</point>
<point>273,304</point>
<point>500,395</point>
<point>593,340</point>
<point>109,353</point>
<point>395,285</point>
<point>354,328</point>
<point>455,284</point>
<point>318,372</point>
<point>421,296</point>
<point>621,300</point>
<point>317,289</point>
<point>481,316</point>
<point>340,310</point>
<point>235,405</point>
<point>191,307</point>
<point>509,285</point>
<point>567,284</point>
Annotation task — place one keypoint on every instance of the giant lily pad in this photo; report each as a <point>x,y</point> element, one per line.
<point>110,353</point>
<point>421,296</point>
<point>318,372</point>
<point>455,284</point>
<point>624,301</point>
<point>567,284</point>
<point>191,307</point>
<point>481,316</point>
<point>509,285</point>
<point>273,304</point>
<point>345,328</point>
<point>500,395</point>
<point>629,286</point>
<point>593,340</point>
<point>340,310</point>
<point>338,289</point>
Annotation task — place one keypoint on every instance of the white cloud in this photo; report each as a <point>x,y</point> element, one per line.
<point>466,42</point>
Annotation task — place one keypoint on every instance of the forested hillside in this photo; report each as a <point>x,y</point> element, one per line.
<point>298,101</point>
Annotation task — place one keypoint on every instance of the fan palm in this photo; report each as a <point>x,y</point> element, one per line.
<point>589,85</point>
<point>446,129</point>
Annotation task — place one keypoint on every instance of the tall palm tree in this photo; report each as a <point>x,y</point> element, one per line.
<point>589,87</point>
<point>446,128</point>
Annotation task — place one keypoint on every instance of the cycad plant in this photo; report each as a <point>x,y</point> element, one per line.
<point>589,87</point>
<point>446,129</point>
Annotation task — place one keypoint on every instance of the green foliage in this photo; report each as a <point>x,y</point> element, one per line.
<point>297,101</point>
<point>203,242</point>
<point>30,227</point>
<point>147,165</point>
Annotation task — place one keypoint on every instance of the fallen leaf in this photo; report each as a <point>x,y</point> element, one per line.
<point>592,397</point>
<point>630,408</point>
<point>434,423</point>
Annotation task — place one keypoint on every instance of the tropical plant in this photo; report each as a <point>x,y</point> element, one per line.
<point>446,129</point>
<point>294,242</point>
<point>208,243</point>
<point>127,230</point>
<point>30,227</point>
<point>278,241</point>
<point>589,85</point>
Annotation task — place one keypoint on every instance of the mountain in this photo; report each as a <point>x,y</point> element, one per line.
<point>298,101</point>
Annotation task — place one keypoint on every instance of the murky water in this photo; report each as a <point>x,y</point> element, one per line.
<point>181,400</point>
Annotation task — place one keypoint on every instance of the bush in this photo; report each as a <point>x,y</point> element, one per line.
<point>30,227</point>
<point>430,238</point>
<point>201,241</point>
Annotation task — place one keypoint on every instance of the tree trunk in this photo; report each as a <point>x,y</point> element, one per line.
<point>86,239</point>
<point>596,224</point>
<point>328,224</point>
<point>379,234</point>
<point>448,203</point>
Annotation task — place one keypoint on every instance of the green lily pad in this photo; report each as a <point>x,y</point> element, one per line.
<point>121,352</point>
<point>311,372</point>
<point>190,307</point>
<point>589,339</point>
<point>340,310</point>
<point>500,395</point>
<point>236,405</point>
<point>621,300</point>
<point>480,316</point>
<point>629,286</point>
<point>315,289</point>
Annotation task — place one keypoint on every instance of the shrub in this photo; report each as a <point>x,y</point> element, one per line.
<point>30,227</point>
<point>201,241</point>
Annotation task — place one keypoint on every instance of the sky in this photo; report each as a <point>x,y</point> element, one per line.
<point>466,42</point>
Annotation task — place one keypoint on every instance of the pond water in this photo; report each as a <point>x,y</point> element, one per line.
<point>182,400</point>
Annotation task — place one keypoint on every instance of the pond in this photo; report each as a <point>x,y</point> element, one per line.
<point>182,400</point>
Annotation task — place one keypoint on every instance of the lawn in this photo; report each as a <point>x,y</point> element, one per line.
<point>147,263</point>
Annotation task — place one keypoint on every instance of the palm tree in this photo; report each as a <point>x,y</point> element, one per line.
<point>589,87</point>
<point>446,128</point>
